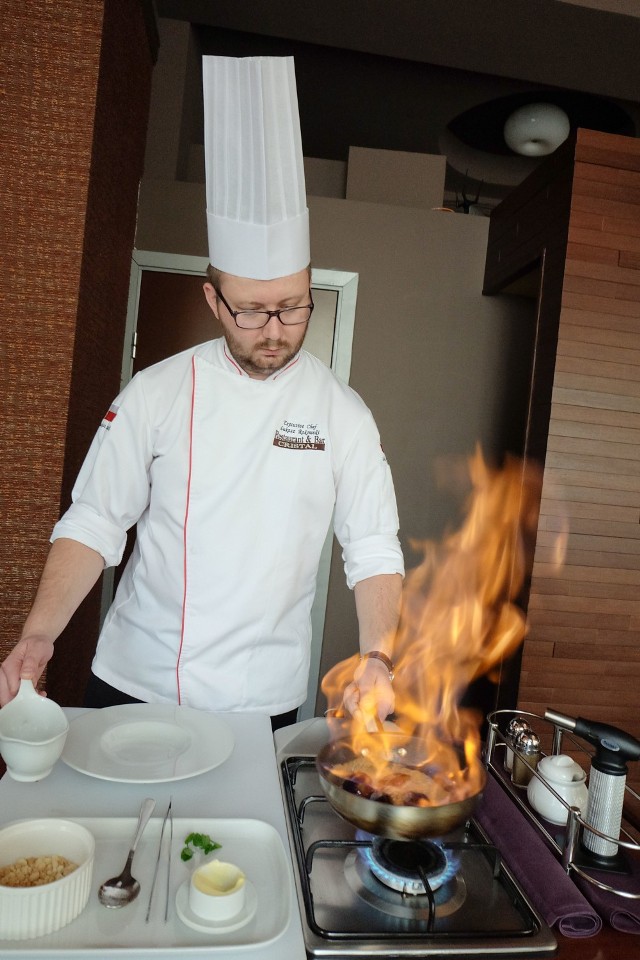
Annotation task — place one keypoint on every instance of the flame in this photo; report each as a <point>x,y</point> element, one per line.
<point>459,621</point>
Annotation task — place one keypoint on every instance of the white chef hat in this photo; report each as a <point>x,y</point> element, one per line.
<point>257,217</point>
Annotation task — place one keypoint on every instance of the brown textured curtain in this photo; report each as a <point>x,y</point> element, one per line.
<point>76,80</point>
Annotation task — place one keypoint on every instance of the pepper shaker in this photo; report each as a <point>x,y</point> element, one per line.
<point>516,726</point>
<point>527,745</point>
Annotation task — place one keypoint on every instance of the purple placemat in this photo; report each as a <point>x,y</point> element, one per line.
<point>619,912</point>
<point>549,888</point>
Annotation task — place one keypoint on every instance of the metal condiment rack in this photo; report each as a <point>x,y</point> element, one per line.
<point>567,850</point>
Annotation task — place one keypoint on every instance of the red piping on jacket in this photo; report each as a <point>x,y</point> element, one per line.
<point>233,362</point>
<point>288,367</point>
<point>184,528</point>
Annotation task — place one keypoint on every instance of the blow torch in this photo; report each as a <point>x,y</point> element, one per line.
<point>614,748</point>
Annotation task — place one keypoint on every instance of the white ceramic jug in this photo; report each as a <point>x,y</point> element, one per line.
<point>33,731</point>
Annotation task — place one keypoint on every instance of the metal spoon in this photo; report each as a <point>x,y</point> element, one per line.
<point>119,891</point>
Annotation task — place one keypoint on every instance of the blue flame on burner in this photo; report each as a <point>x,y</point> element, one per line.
<point>402,883</point>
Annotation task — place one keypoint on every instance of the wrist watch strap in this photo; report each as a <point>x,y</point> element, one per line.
<point>378,655</point>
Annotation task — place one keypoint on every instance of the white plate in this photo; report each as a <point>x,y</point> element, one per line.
<point>255,846</point>
<point>196,922</point>
<point>147,743</point>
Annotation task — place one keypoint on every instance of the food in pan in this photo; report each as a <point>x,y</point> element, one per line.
<point>396,784</point>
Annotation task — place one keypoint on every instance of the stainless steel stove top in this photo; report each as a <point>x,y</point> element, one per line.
<point>476,908</point>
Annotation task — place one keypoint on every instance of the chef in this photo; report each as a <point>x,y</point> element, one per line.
<point>232,458</point>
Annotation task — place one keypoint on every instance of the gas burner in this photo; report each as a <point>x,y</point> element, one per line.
<point>407,865</point>
<point>386,875</point>
<point>420,910</point>
<point>347,912</point>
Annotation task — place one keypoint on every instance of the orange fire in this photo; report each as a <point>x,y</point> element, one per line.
<point>460,620</point>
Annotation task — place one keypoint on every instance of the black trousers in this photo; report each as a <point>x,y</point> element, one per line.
<point>100,694</point>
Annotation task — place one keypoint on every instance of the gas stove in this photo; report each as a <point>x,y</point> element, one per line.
<point>367,896</point>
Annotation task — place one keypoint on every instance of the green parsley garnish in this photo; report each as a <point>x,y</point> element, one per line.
<point>201,841</point>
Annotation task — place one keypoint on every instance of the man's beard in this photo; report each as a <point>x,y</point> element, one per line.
<point>254,362</point>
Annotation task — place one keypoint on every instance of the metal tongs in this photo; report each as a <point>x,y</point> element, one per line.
<point>167,817</point>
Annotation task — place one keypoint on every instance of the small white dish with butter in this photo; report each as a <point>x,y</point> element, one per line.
<point>217,897</point>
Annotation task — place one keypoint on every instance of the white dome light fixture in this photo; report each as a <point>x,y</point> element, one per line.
<point>536,129</point>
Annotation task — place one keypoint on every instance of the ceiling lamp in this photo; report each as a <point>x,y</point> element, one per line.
<point>536,129</point>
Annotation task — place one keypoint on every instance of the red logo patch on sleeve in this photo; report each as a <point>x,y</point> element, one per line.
<point>109,416</point>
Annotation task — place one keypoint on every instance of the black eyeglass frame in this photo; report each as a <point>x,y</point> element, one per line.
<point>269,313</point>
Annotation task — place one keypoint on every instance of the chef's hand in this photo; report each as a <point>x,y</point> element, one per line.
<point>26,661</point>
<point>370,694</point>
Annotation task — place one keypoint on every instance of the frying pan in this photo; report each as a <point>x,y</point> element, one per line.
<point>385,819</point>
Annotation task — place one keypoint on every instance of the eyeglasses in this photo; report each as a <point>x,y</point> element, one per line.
<point>255,319</point>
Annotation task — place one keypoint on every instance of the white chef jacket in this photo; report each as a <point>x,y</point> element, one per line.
<point>232,482</point>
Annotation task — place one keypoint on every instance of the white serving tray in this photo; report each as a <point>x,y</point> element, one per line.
<point>253,845</point>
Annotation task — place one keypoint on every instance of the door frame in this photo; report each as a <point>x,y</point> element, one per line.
<point>345,285</point>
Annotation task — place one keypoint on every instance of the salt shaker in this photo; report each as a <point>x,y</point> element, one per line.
<point>516,726</point>
<point>527,744</point>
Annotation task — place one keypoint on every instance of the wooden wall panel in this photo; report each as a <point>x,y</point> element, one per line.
<point>582,653</point>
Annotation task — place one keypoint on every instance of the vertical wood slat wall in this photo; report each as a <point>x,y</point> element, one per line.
<point>582,654</point>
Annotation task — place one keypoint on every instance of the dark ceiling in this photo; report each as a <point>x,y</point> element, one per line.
<point>433,76</point>
<point>536,40</point>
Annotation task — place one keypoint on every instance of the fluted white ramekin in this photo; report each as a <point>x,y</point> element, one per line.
<point>27,912</point>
